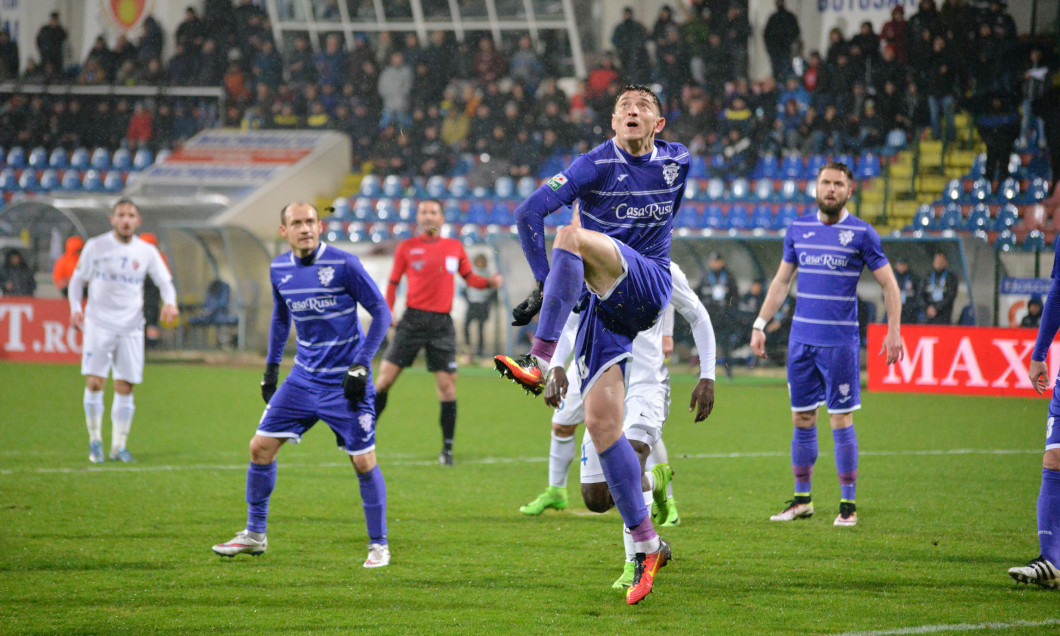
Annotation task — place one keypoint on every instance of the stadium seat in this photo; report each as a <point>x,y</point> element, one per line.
<point>785,215</point>
<point>923,218</point>
<point>980,190</point>
<point>951,217</point>
<point>501,214</point>
<point>458,187</point>
<point>692,190</point>
<point>1005,241</point>
<point>1037,191</point>
<point>978,219</point>
<point>38,158</point>
<point>340,208</point>
<point>362,209</point>
<point>739,190</point>
<point>767,167</point>
<point>762,216</point>
<point>79,159</point>
<point>504,188</point>
<point>355,232</point>
<point>791,167</point>
<point>113,181</point>
<point>1015,164</point>
<point>378,232</point>
<point>688,216</point>
<point>789,190</point>
<point>526,187</point>
<point>868,166</point>
<point>58,159</point>
<point>845,159</point>
<point>401,231</point>
<point>712,218</point>
<point>697,167</point>
<point>71,181</point>
<point>814,163</point>
<point>715,190</point>
<point>16,158</point>
<point>452,211</point>
<point>811,190</point>
<point>8,179</point>
<point>370,186</point>
<point>716,165</point>
<point>470,234</point>
<point>392,186</point>
<point>481,192</point>
<point>953,192</point>
<point>476,213</point>
<point>384,209</point>
<point>435,187</point>
<point>978,169</point>
<point>738,218</point>
<point>1007,216</point>
<point>406,211</point>
<point>100,159</point>
<point>142,159</point>
<point>1033,242</point>
<point>49,180</point>
<point>1008,191</point>
<point>28,182</point>
<point>763,190</point>
<point>122,159</point>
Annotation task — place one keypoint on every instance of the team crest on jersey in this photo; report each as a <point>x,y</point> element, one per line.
<point>365,420</point>
<point>844,389</point>
<point>670,172</point>
<point>557,182</point>
<point>846,236</point>
<point>136,264</point>
<point>325,274</point>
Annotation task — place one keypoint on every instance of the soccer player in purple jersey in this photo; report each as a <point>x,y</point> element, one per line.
<point>319,288</point>
<point>829,247</point>
<point>1044,570</point>
<point>618,245</point>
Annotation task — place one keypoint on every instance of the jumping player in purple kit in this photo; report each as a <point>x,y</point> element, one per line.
<point>320,288</point>
<point>829,247</point>
<point>1045,569</point>
<point>618,245</point>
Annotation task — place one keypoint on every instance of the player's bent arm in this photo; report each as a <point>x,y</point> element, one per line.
<point>687,302</point>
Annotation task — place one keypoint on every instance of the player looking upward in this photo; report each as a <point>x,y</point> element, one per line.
<point>114,265</point>
<point>829,247</point>
<point>429,262</point>
<point>319,287</point>
<point>629,187</point>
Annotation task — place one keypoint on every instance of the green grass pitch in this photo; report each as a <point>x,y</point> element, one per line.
<point>946,499</point>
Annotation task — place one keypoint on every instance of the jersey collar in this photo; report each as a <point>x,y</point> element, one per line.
<point>320,251</point>
<point>628,158</point>
<point>842,217</point>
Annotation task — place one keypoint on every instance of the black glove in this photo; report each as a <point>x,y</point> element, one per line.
<point>355,382</point>
<point>527,309</point>
<point>269,380</point>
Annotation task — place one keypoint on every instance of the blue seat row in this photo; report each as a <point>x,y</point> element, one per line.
<point>52,180</point>
<point>952,216</point>
<point>80,159</point>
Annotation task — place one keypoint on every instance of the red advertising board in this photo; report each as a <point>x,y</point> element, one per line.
<point>958,360</point>
<point>33,330</point>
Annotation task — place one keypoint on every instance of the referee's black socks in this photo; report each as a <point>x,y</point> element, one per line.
<point>380,403</point>
<point>448,422</point>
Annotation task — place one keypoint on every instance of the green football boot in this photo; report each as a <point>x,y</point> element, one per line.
<point>661,506</point>
<point>553,497</point>
<point>672,519</point>
<point>623,582</point>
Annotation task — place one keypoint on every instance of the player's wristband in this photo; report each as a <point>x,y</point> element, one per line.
<point>759,324</point>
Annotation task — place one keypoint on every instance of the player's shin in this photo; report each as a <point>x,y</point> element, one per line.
<point>560,455</point>
<point>373,498</point>
<point>1049,516</point>
<point>803,457</point>
<point>623,473</point>
<point>121,416</point>
<point>846,461</point>
<point>261,479</point>
<point>562,289</point>
<point>93,404</point>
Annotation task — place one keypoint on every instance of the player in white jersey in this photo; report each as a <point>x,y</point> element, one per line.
<point>647,406</point>
<point>114,266</point>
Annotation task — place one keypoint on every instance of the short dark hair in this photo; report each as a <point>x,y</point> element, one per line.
<point>125,201</point>
<point>639,88</point>
<point>837,165</point>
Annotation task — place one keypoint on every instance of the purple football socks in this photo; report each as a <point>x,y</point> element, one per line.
<point>261,479</point>
<point>373,498</point>
<point>562,288</point>
<point>803,457</point>
<point>846,461</point>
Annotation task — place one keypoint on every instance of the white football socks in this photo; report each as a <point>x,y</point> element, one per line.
<point>560,455</point>
<point>93,403</point>
<point>121,416</point>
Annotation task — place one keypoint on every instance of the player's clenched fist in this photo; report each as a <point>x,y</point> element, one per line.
<point>525,311</point>
<point>355,382</point>
<point>269,381</point>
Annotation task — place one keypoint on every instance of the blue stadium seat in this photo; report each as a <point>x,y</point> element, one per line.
<point>526,187</point>
<point>785,215</point>
<point>362,208</point>
<point>980,190</point>
<point>763,190</point>
<point>406,211</point>
<point>1037,191</point>
<point>1007,216</point>
<point>71,181</point>
<point>767,167</point>
<point>789,190</point>
<point>504,188</point>
<point>28,181</point>
<point>392,186</point>
<point>435,187</point>
<point>552,166</point>
<point>716,165</point>
<point>384,209</point>
<point>142,159</point>
<point>762,216</point>
<point>378,232</point>
<point>713,217</point>
<point>477,213</point>
<point>979,218</point>
<point>122,160</point>
<point>844,159</point>
<point>1015,164</point>
<point>38,158</point>
<point>1008,191</point>
<point>814,163</point>
<point>49,180</point>
<point>401,231</point>
<point>340,208</point>
<point>692,190</point>
<point>1005,241</point>
<point>16,158</point>
<point>113,181</point>
<point>697,167</point>
<point>791,167</point>
<point>79,159</point>
<point>481,192</point>
<point>738,218</point>
<point>470,234</point>
<point>100,159</point>
<point>355,232</point>
<point>1033,242</point>
<point>458,187</point>
<point>923,218</point>
<point>811,190</point>
<point>370,186</point>
<point>953,192</point>
<point>978,169</point>
<point>58,159</point>
<point>715,190</point>
<point>739,190</point>
<point>951,217</point>
<point>334,230</point>
<point>868,166</point>
<point>452,210</point>
<point>501,214</point>
<point>8,179</point>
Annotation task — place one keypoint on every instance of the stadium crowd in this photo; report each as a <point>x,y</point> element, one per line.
<point>421,108</point>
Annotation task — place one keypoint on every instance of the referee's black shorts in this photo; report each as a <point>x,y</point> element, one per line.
<point>428,330</point>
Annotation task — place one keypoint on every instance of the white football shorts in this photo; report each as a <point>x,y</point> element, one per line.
<point>103,350</point>
<point>646,410</point>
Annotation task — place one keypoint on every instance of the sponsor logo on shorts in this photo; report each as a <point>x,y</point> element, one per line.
<point>557,182</point>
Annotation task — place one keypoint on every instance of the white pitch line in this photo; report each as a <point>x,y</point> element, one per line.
<point>933,629</point>
<point>492,460</point>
